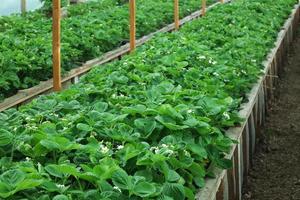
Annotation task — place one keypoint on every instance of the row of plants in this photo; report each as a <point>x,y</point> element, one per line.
<point>66,4</point>
<point>90,30</point>
<point>150,126</point>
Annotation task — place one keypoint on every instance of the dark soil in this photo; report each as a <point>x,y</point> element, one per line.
<point>276,166</point>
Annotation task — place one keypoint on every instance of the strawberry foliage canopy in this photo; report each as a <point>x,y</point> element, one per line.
<point>149,126</point>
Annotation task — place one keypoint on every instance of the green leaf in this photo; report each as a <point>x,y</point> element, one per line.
<point>84,127</point>
<point>224,163</point>
<point>48,128</point>
<point>144,189</point>
<point>118,78</point>
<point>5,190</point>
<point>165,87</point>
<point>60,197</point>
<point>173,176</point>
<point>54,171</point>
<point>199,181</point>
<point>62,170</point>
<point>145,126</point>
<point>189,193</point>
<point>49,144</point>
<point>168,110</point>
<point>174,190</point>
<point>6,137</point>
<point>169,123</point>
<point>198,149</point>
<point>100,106</point>
<point>164,197</point>
<point>50,186</point>
<point>191,122</point>
<point>12,177</point>
<point>197,170</point>
<point>147,174</point>
<point>121,179</point>
<point>28,184</point>
<point>106,169</point>
<point>137,109</point>
<point>129,151</point>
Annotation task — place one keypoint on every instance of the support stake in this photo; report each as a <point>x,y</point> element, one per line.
<point>23,7</point>
<point>56,45</point>
<point>203,7</point>
<point>132,11</point>
<point>176,14</point>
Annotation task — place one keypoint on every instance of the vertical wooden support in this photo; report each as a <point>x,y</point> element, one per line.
<point>246,149</point>
<point>231,176</point>
<point>220,193</point>
<point>203,7</point>
<point>23,6</point>
<point>237,173</point>
<point>176,14</point>
<point>132,11</point>
<point>252,134</point>
<point>240,167</point>
<point>222,1</point>
<point>56,45</point>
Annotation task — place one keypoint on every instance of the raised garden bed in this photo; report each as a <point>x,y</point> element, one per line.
<point>228,183</point>
<point>151,125</point>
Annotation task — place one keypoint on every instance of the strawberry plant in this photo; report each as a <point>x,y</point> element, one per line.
<point>90,30</point>
<point>148,126</point>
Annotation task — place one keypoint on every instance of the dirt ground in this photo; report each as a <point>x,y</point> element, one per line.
<point>276,167</point>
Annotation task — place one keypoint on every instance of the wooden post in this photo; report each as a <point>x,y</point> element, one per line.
<point>56,45</point>
<point>222,1</point>
<point>23,6</point>
<point>132,25</point>
<point>203,7</point>
<point>176,14</point>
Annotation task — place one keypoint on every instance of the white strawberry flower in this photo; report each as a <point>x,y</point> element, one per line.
<point>60,186</point>
<point>190,111</point>
<point>104,149</point>
<point>216,74</point>
<point>226,115</point>
<point>117,188</point>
